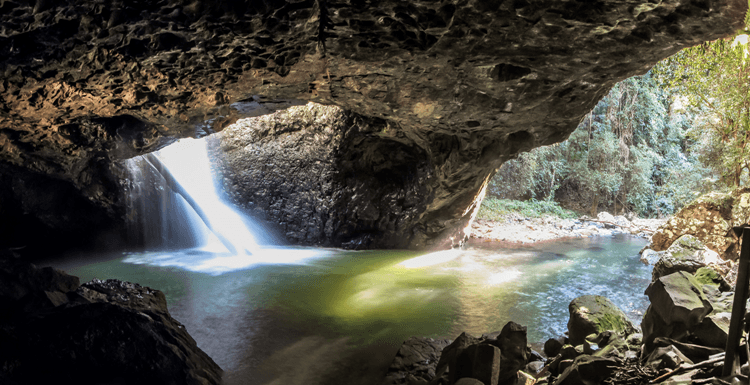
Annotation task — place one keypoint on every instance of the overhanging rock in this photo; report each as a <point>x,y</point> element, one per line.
<point>466,84</point>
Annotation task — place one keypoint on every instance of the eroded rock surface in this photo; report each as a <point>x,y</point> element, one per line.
<point>466,85</point>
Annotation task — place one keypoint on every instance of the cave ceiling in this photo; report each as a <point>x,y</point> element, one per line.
<point>468,82</point>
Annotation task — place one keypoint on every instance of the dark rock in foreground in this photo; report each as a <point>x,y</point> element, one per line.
<point>54,331</point>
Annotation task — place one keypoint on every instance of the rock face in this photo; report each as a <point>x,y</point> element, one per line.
<point>461,87</point>
<point>315,171</point>
<point>709,219</point>
<point>54,331</point>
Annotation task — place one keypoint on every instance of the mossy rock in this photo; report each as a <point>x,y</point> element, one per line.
<point>687,253</point>
<point>709,276</point>
<point>595,314</point>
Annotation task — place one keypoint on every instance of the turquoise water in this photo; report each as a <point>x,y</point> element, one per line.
<point>327,316</point>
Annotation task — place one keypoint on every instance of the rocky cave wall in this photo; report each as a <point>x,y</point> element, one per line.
<point>464,85</point>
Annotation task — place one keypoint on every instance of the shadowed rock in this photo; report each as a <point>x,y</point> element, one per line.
<point>53,331</point>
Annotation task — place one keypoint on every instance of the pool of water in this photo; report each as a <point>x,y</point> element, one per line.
<point>328,316</point>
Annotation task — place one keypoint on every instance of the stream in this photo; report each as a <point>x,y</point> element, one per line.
<point>324,316</point>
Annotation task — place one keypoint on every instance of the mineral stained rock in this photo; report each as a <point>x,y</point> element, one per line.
<point>464,85</point>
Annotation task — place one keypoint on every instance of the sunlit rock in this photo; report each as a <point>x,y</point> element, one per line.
<point>678,304</point>
<point>688,254</point>
<point>593,314</point>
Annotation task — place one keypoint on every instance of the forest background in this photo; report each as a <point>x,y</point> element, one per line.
<point>652,145</point>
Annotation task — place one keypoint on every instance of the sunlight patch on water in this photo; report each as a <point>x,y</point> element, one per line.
<point>431,259</point>
<point>206,260</point>
<point>503,277</point>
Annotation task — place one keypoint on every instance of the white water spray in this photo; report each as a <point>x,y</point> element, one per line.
<point>188,223</point>
<point>187,161</point>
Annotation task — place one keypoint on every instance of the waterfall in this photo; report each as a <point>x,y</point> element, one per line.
<point>175,203</point>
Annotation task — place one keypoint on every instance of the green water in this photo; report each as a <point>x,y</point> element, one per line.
<point>320,316</point>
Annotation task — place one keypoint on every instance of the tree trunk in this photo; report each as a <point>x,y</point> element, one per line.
<point>594,205</point>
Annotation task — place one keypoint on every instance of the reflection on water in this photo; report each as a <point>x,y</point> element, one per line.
<point>323,316</point>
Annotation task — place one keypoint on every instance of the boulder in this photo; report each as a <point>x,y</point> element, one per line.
<point>553,345</point>
<point>707,218</point>
<point>101,332</point>
<point>710,219</point>
<point>678,304</point>
<point>513,344</point>
<point>713,330</point>
<point>593,314</point>
<point>679,297</point>
<point>651,257</point>
<point>481,361</point>
<point>586,370</point>
<point>688,254</point>
<point>417,357</point>
<point>449,356</point>
<point>709,276</point>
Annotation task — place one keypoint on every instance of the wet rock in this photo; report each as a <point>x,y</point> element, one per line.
<point>595,314</point>
<point>688,254</point>
<point>417,358</point>
<point>105,332</point>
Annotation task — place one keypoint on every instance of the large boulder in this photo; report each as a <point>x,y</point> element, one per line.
<point>593,314</point>
<point>678,305</point>
<point>453,88</point>
<point>687,254</point>
<point>54,331</point>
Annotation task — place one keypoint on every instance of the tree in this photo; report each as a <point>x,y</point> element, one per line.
<point>714,79</point>
<point>631,153</point>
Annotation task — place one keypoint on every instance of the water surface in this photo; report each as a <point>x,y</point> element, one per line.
<point>327,316</point>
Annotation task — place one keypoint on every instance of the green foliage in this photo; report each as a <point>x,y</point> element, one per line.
<point>632,153</point>
<point>497,209</point>
<point>714,80</point>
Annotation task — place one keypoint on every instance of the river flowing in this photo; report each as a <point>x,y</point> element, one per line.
<point>327,316</point>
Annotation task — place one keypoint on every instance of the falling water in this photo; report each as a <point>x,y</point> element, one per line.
<point>184,223</point>
<point>211,226</point>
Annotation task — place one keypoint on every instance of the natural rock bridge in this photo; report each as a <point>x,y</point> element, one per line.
<point>435,95</point>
